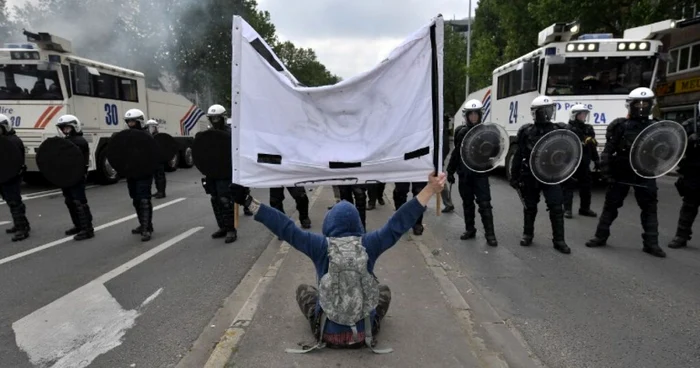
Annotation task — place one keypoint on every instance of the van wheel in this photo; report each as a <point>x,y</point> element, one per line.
<point>171,165</point>
<point>105,173</point>
<point>186,158</point>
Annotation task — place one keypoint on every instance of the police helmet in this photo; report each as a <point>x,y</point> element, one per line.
<point>68,121</point>
<point>640,102</point>
<point>578,109</point>
<point>5,126</point>
<point>216,114</point>
<point>543,109</point>
<point>472,106</point>
<point>135,115</point>
<point>152,126</point>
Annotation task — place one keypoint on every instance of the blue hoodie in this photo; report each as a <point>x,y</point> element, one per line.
<point>341,221</point>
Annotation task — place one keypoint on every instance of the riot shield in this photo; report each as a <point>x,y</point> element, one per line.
<point>658,149</point>
<point>133,153</point>
<point>61,162</point>
<point>167,146</point>
<point>10,159</point>
<point>483,147</point>
<point>556,156</point>
<point>211,152</point>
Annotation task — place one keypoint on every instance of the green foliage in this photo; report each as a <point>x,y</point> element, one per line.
<point>302,63</point>
<point>455,70</point>
<point>504,30</point>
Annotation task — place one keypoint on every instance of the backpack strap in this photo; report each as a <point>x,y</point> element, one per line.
<point>319,345</point>
<point>369,339</point>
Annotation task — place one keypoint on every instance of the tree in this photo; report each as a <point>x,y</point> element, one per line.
<point>303,64</point>
<point>454,70</point>
<point>6,26</point>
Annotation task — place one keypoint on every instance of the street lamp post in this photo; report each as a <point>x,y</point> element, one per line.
<point>469,43</point>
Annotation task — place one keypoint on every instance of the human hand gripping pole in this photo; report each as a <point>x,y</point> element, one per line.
<point>436,183</point>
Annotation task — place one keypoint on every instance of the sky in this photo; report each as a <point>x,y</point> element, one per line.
<point>350,37</point>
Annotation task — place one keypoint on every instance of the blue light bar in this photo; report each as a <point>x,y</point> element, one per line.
<point>25,46</point>
<point>550,51</point>
<point>596,36</point>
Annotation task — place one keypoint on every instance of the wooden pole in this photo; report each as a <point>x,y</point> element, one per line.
<point>439,202</point>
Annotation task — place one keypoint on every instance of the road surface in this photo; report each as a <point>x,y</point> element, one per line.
<point>114,301</point>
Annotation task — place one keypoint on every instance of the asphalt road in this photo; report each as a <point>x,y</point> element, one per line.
<point>610,307</point>
<point>61,284</point>
<point>613,307</point>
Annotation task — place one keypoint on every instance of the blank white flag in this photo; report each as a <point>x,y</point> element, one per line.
<point>383,125</point>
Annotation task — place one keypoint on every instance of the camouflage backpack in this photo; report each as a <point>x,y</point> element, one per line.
<point>348,292</point>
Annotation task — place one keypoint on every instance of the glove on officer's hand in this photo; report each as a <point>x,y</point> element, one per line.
<point>515,183</point>
<point>451,178</point>
<point>693,138</point>
<point>240,194</point>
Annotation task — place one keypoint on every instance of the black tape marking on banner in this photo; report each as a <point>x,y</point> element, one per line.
<point>417,153</point>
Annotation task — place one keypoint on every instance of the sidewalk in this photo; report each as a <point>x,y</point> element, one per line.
<point>421,326</point>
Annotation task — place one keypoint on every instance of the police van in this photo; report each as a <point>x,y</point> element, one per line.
<point>42,79</point>
<point>595,70</point>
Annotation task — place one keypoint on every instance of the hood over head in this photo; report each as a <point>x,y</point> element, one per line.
<point>342,220</point>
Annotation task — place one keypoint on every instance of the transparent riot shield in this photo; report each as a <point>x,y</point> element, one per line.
<point>556,156</point>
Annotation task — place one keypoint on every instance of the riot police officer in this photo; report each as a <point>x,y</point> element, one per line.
<point>10,190</point>
<point>356,194</point>
<point>582,177</point>
<point>159,174</point>
<point>400,195</point>
<point>615,168</point>
<point>140,188</point>
<point>446,193</point>
<point>472,185</point>
<point>688,184</point>
<point>375,194</point>
<point>69,127</point>
<point>301,199</point>
<point>218,189</point>
<point>542,109</point>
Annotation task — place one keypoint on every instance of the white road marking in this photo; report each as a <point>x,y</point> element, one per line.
<point>5,222</point>
<point>69,238</point>
<point>84,324</point>
<point>45,193</point>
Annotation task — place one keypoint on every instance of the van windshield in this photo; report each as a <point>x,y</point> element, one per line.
<point>27,82</point>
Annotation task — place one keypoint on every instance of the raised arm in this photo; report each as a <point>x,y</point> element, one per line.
<point>378,241</point>
<point>280,224</point>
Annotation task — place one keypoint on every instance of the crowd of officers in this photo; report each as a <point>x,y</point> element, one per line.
<point>474,188</point>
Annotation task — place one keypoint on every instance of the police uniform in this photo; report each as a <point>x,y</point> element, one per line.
<point>159,174</point>
<point>446,193</point>
<point>375,194</point>
<point>10,190</point>
<point>472,185</point>
<point>688,185</point>
<point>356,194</point>
<point>542,109</point>
<point>74,196</point>
<point>140,188</point>
<point>615,167</point>
<point>582,177</point>
<point>301,199</point>
<point>219,189</point>
<point>400,195</point>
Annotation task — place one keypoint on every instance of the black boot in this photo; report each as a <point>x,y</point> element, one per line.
<point>146,208</point>
<point>160,183</point>
<point>74,218</point>
<point>371,204</point>
<point>651,245</point>
<point>486,212</point>
<point>227,219</point>
<point>216,207</point>
<point>602,231</point>
<point>21,224</point>
<point>303,209</point>
<point>469,214</point>
<point>585,209</point>
<point>556,217</point>
<point>529,217</point>
<point>447,200</point>
<point>85,221</point>
<point>138,229</point>
<point>568,203</point>
<point>685,226</point>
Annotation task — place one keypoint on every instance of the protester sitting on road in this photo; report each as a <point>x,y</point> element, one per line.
<point>348,295</point>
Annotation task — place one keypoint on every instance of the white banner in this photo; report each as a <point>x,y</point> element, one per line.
<point>383,125</point>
